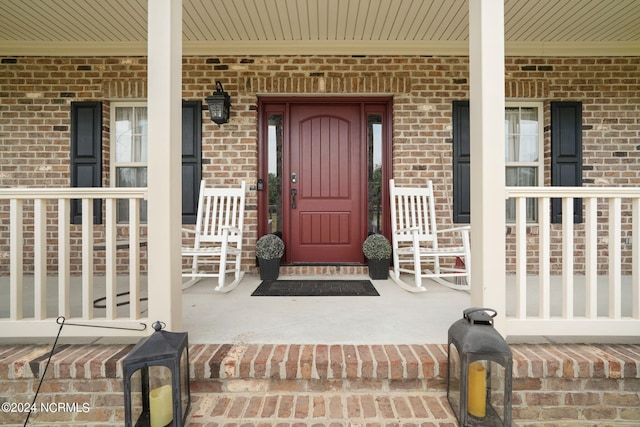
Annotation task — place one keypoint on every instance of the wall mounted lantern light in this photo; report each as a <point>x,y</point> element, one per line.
<point>219,105</point>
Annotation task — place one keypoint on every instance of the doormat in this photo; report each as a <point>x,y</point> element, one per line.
<point>315,288</point>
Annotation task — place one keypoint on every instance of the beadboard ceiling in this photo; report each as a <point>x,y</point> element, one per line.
<point>318,26</point>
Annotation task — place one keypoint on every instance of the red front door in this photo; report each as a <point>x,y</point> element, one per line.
<point>324,184</point>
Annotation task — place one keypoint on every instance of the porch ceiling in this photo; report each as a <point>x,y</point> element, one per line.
<point>108,27</point>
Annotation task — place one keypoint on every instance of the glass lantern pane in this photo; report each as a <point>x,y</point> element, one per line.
<point>136,396</point>
<point>477,390</point>
<point>160,396</point>
<point>184,383</point>
<point>496,391</point>
<point>453,385</point>
<point>216,108</point>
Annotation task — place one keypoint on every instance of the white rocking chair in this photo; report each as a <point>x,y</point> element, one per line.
<point>415,241</point>
<point>218,236</point>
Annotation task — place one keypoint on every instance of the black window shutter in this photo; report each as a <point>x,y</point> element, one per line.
<point>566,154</point>
<point>191,159</point>
<point>86,154</point>
<point>461,163</point>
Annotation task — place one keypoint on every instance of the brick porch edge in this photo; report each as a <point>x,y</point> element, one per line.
<point>597,383</point>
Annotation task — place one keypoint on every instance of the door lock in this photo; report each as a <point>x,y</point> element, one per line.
<point>294,177</point>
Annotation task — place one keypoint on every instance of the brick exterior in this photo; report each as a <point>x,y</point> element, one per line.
<point>35,93</point>
<point>330,384</point>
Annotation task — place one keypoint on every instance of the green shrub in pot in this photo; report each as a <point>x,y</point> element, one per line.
<point>377,250</point>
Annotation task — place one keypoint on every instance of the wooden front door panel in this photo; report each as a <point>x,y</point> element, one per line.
<point>326,175</point>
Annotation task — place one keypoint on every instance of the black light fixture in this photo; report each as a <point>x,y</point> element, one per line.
<point>156,380</point>
<point>219,105</point>
<point>480,364</point>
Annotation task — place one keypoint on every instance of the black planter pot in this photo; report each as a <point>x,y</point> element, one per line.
<point>269,268</point>
<point>379,268</point>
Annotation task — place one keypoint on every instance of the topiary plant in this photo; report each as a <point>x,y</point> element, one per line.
<point>269,246</point>
<point>376,246</point>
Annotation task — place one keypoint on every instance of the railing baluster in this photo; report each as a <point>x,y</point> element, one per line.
<point>37,224</point>
<point>622,315</point>
<point>635,247</point>
<point>110,261</point>
<point>16,272</point>
<point>567,257</point>
<point>87,258</point>
<point>544,252</point>
<point>64,274</point>
<point>521,257</point>
<point>591,256</point>
<point>615,257</point>
<point>134,258</point>
<point>39,259</point>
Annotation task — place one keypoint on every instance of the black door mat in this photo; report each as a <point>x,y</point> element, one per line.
<point>315,288</point>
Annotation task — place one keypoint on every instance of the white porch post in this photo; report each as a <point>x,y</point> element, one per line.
<point>164,157</point>
<point>486,66</point>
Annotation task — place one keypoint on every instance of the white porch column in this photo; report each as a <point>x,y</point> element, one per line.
<point>486,103</point>
<point>164,159</point>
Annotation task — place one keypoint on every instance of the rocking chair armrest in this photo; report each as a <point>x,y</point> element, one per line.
<point>188,230</point>
<point>230,228</point>
<point>462,228</point>
<point>406,230</point>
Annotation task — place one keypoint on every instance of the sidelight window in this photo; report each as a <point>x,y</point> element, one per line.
<point>374,138</point>
<point>274,184</point>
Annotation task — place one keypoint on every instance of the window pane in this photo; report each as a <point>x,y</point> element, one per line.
<point>529,134</point>
<point>124,134</point>
<point>131,177</point>
<point>141,134</point>
<point>274,185</point>
<point>519,177</point>
<point>528,148</point>
<point>131,134</point>
<point>521,134</point>
<point>522,176</point>
<point>512,149</point>
<point>374,136</point>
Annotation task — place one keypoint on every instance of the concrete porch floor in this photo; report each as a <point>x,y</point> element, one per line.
<point>394,317</point>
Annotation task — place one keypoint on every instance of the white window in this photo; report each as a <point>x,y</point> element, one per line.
<point>523,136</point>
<point>129,151</point>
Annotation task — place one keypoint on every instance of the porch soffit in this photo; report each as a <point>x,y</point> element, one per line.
<point>332,27</point>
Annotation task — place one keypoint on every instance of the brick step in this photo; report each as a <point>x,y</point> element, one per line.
<point>319,385</point>
<point>319,362</point>
<point>323,270</point>
<point>330,408</point>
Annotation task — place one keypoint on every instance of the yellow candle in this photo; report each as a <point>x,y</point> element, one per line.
<point>477,396</point>
<point>161,406</point>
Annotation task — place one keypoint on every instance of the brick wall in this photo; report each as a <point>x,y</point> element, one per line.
<point>35,93</point>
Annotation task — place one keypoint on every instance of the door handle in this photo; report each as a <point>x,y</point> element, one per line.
<point>294,193</point>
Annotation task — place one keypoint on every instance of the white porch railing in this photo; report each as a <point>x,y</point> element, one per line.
<point>42,218</point>
<point>597,292</point>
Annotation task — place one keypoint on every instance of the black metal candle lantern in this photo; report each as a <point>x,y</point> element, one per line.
<point>219,105</point>
<point>480,368</point>
<point>156,380</point>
